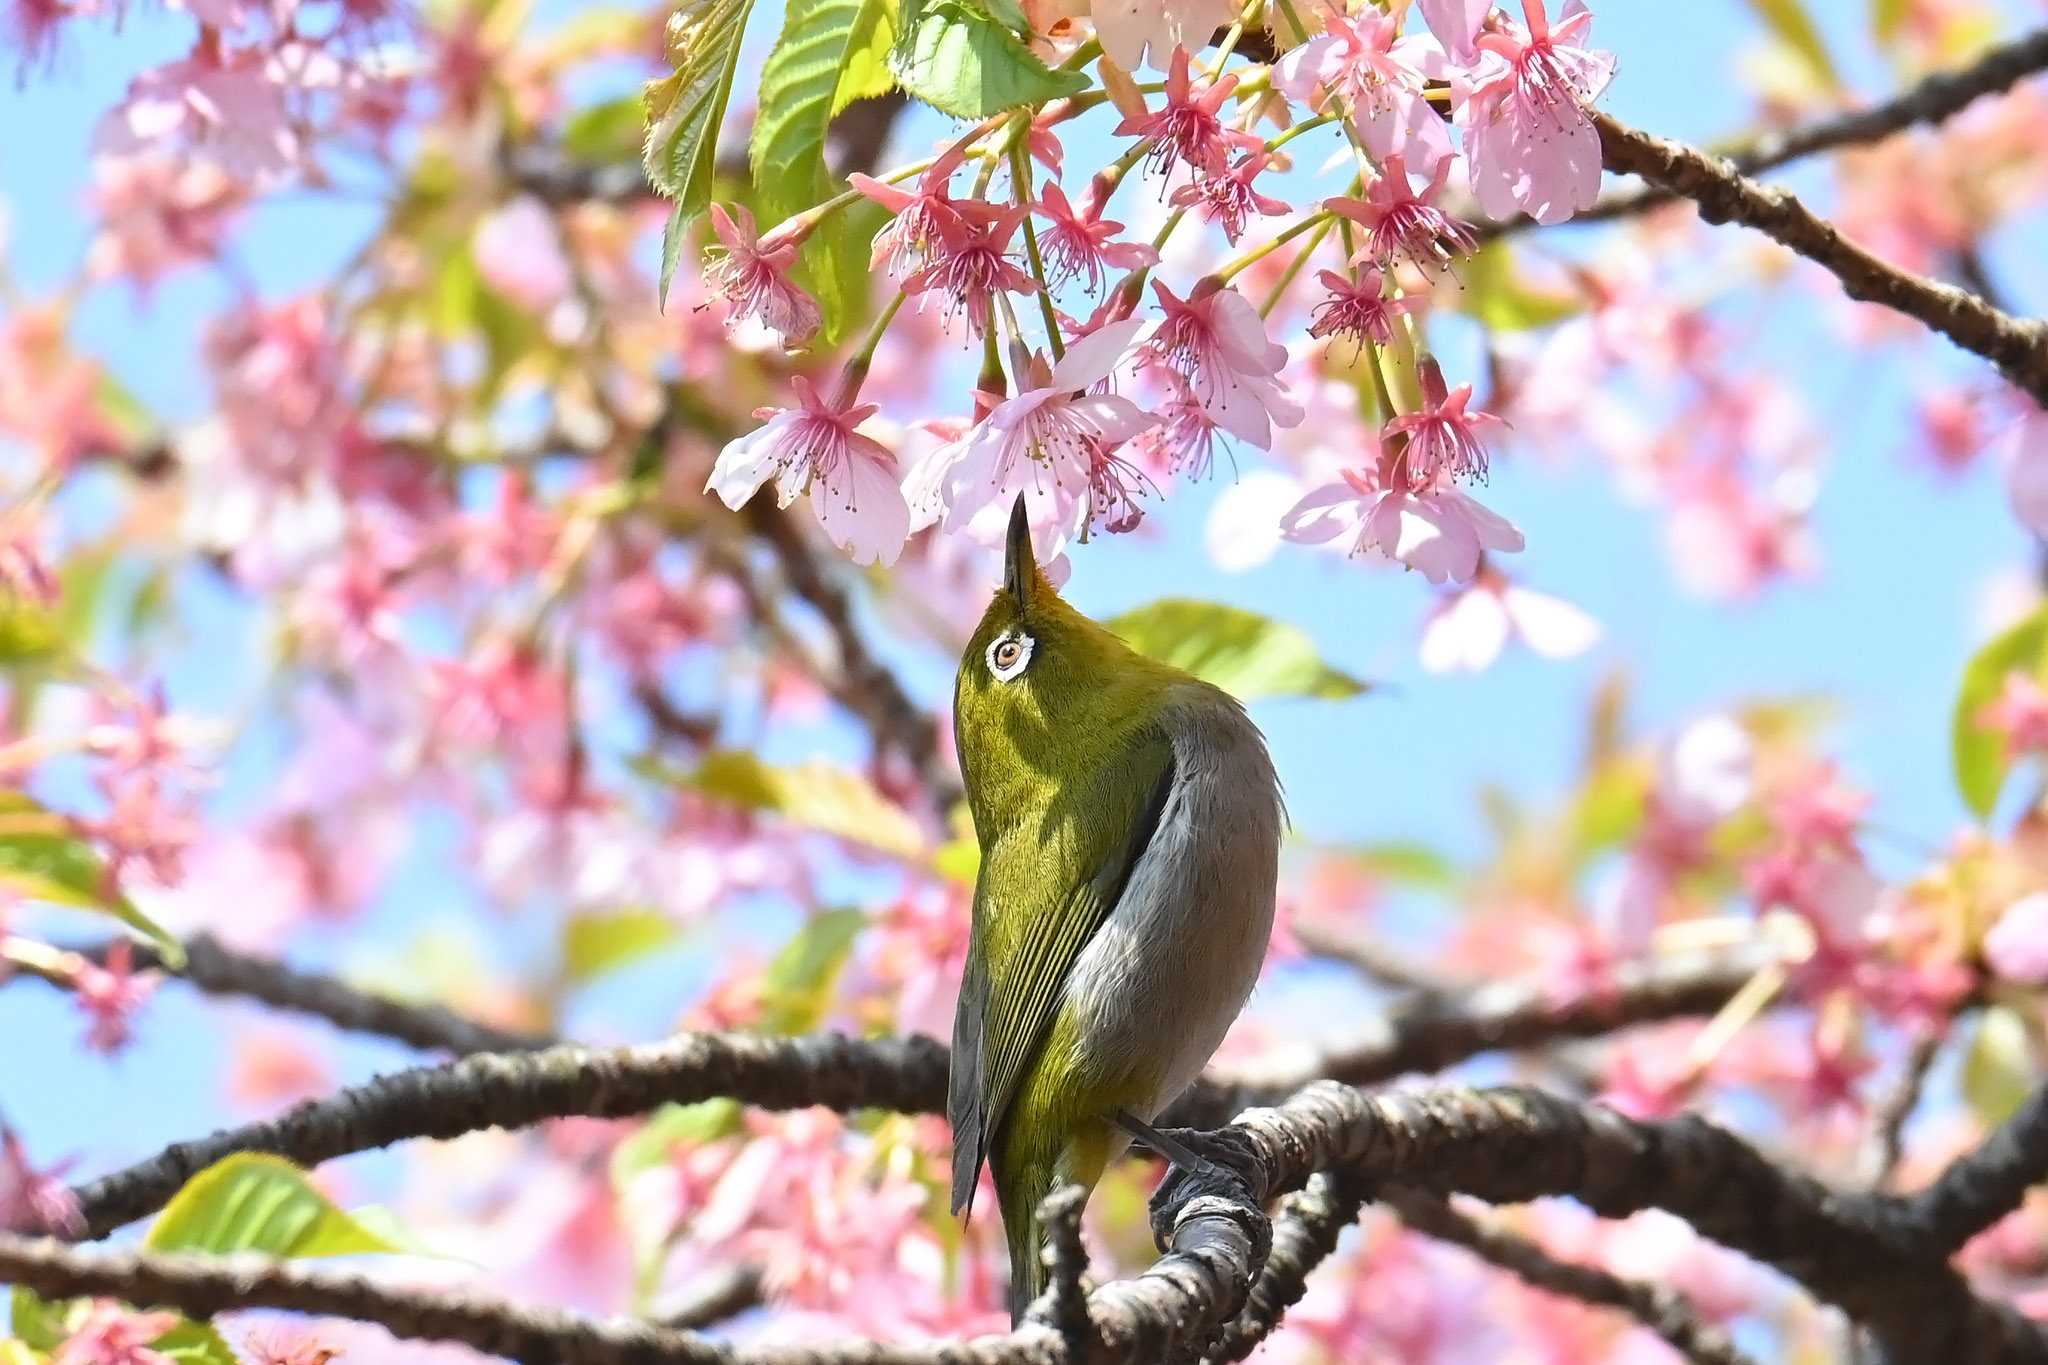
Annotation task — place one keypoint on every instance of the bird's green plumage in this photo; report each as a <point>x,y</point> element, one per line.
<point>1067,768</point>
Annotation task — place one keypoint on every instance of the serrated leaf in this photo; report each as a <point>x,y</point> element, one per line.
<point>1246,654</point>
<point>864,71</point>
<point>961,62</point>
<point>817,795</point>
<point>595,944</point>
<point>1981,760</point>
<point>800,85</point>
<point>797,986</point>
<point>684,110</point>
<point>253,1201</point>
<point>1998,1070</point>
<point>1494,291</point>
<point>1008,13</point>
<point>42,859</point>
<point>1789,22</point>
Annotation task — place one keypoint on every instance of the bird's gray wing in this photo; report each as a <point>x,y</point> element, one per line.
<point>1014,979</point>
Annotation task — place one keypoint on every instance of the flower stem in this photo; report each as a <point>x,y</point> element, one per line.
<point>1020,178</point>
<point>856,370</point>
<point>1250,258</point>
<point>1295,266</point>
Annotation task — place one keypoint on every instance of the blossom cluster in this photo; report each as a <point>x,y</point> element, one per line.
<point>1054,417</point>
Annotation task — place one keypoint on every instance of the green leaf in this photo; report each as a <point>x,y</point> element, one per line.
<point>1980,752</point>
<point>961,62</point>
<point>1887,17</point>
<point>800,87</point>
<point>1495,292</point>
<point>684,111</point>
<point>31,635</point>
<point>41,859</point>
<point>253,1201</point>
<point>798,984</point>
<point>196,1343</point>
<point>40,1322</point>
<point>595,944</point>
<point>864,69</point>
<point>1789,22</point>
<point>1416,864</point>
<point>815,794</point>
<point>1246,654</point>
<point>606,133</point>
<point>670,1127</point>
<point>1998,1071</point>
<point>14,1352</point>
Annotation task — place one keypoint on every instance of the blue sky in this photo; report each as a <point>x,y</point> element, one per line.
<point>1884,629</point>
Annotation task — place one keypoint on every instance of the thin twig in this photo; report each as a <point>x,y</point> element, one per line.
<point>1932,100</point>
<point>1655,1307</point>
<point>217,969</point>
<point>2017,346</point>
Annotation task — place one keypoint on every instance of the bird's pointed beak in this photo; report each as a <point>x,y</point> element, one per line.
<point>1020,566</point>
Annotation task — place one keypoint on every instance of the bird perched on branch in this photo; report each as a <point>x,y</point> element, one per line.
<point>1129,820</point>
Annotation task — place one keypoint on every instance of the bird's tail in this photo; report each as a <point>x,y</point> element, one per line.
<point>1024,1178</point>
<point>1026,1234</point>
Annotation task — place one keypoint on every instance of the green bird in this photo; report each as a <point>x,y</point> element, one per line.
<point>1129,820</point>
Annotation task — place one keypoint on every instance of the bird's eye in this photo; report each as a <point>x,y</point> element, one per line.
<point>1007,655</point>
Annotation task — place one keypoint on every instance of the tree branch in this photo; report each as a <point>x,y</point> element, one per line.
<point>1654,1306</point>
<point>512,1090</point>
<point>1866,1254</point>
<point>2018,347</point>
<point>217,969</point>
<point>1983,1186</point>
<point>1934,99</point>
<point>1430,1031</point>
<point>1304,1236</point>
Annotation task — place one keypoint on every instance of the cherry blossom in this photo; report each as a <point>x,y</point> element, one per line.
<point>1230,199</point>
<point>2020,713</point>
<point>1188,129</point>
<point>1440,533</point>
<point>34,1200</point>
<point>1379,75</point>
<point>816,446</point>
<point>1522,109</point>
<point>1442,438</point>
<point>1468,631</point>
<point>1053,442</point>
<point>1081,244</point>
<point>1359,306</point>
<point>1133,31</point>
<point>971,265</point>
<point>919,221</point>
<point>113,1335</point>
<point>1401,224</point>
<point>751,274</point>
<point>1216,342</point>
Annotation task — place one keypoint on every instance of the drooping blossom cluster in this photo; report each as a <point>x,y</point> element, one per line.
<point>1390,86</point>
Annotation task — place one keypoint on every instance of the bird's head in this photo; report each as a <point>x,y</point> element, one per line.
<point>1043,692</point>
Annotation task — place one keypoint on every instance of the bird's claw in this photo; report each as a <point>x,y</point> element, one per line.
<point>1213,1163</point>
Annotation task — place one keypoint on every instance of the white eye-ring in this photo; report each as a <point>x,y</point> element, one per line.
<point>1008,654</point>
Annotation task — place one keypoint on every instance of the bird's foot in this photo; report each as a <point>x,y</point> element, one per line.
<point>1204,1162</point>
